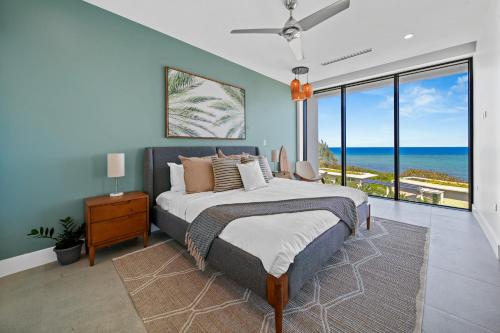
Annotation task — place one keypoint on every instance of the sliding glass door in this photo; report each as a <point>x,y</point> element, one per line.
<point>434,136</point>
<point>370,137</point>
<point>405,136</point>
<point>329,137</point>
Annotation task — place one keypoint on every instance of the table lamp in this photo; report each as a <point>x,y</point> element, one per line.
<point>116,168</point>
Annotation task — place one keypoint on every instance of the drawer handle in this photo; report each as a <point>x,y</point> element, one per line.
<point>121,203</point>
<point>121,218</point>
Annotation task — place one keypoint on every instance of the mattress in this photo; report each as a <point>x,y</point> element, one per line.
<point>274,239</point>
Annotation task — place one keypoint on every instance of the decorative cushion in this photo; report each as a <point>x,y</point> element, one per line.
<point>220,154</point>
<point>226,174</point>
<point>198,174</point>
<point>263,163</point>
<point>251,175</point>
<point>177,177</point>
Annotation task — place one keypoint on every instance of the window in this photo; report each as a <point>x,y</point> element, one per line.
<point>406,136</point>
<point>370,137</point>
<point>434,136</point>
<point>329,135</point>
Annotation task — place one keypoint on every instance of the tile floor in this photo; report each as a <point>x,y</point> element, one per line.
<point>462,292</point>
<point>463,276</point>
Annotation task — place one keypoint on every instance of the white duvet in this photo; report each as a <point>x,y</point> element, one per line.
<point>274,239</point>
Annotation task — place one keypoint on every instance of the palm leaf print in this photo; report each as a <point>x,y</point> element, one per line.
<point>186,115</point>
<point>232,111</point>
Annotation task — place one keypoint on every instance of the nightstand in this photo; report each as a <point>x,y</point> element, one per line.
<point>282,174</point>
<point>110,220</point>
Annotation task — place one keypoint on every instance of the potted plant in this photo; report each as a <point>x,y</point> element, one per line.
<point>68,246</point>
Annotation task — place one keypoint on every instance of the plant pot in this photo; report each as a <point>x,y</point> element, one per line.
<point>69,255</point>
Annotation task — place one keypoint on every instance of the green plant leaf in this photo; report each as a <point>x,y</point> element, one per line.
<point>197,99</point>
<point>235,131</point>
<point>223,106</point>
<point>236,94</point>
<point>224,119</point>
<point>180,83</point>
<point>188,109</point>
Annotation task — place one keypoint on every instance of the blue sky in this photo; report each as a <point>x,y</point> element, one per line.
<point>433,113</point>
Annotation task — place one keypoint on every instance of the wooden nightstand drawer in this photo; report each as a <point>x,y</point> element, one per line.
<point>118,228</point>
<point>118,209</point>
<point>110,220</point>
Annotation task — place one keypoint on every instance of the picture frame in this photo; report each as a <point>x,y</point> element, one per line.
<point>198,107</point>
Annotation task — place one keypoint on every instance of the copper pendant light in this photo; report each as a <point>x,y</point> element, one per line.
<point>295,89</point>
<point>300,91</point>
<point>308,90</point>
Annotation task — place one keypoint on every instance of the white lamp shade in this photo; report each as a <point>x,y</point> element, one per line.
<point>274,155</point>
<point>116,165</point>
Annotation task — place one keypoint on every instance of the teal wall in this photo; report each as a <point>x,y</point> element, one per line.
<point>77,82</point>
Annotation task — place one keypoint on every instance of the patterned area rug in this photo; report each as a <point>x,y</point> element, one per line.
<point>375,283</point>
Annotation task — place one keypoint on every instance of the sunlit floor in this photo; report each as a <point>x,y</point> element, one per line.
<point>462,294</point>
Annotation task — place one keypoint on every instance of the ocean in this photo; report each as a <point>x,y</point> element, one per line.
<point>450,160</point>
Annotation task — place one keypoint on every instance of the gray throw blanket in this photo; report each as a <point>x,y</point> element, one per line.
<point>210,223</point>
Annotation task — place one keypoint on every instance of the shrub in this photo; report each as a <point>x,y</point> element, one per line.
<point>431,175</point>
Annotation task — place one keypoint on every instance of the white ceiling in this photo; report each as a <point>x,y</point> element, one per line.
<point>380,24</point>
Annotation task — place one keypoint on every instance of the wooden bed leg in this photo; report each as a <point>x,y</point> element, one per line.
<point>369,218</point>
<point>277,297</point>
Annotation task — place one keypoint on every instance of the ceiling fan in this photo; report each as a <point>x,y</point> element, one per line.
<point>293,29</point>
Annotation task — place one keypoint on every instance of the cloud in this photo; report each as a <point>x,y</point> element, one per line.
<point>387,103</point>
<point>417,100</point>
<point>461,85</point>
<point>424,95</point>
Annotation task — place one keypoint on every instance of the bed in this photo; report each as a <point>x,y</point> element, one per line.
<point>276,282</point>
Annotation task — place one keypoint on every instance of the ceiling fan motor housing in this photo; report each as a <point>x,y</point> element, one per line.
<point>291,30</point>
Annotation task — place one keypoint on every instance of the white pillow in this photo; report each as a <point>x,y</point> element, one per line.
<point>251,175</point>
<point>177,177</point>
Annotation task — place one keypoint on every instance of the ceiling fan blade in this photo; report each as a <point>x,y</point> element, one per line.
<point>256,31</point>
<point>321,15</point>
<point>296,47</point>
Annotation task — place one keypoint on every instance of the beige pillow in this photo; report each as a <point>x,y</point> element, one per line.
<point>198,174</point>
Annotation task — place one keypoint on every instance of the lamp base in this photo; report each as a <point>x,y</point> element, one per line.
<point>119,194</point>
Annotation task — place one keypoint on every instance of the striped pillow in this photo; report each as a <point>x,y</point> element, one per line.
<point>226,174</point>
<point>263,163</point>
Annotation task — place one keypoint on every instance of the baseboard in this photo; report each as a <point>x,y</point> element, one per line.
<point>26,261</point>
<point>33,259</point>
<point>490,234</point>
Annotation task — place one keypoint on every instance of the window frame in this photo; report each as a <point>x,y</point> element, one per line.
<point>396,78</point>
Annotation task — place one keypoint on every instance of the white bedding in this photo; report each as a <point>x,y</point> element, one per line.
<point>274,239</point>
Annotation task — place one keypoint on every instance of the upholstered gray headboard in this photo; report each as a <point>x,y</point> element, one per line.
<point>157,172</point>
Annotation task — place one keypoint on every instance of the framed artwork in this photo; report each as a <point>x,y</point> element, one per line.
<point>198,107</point>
